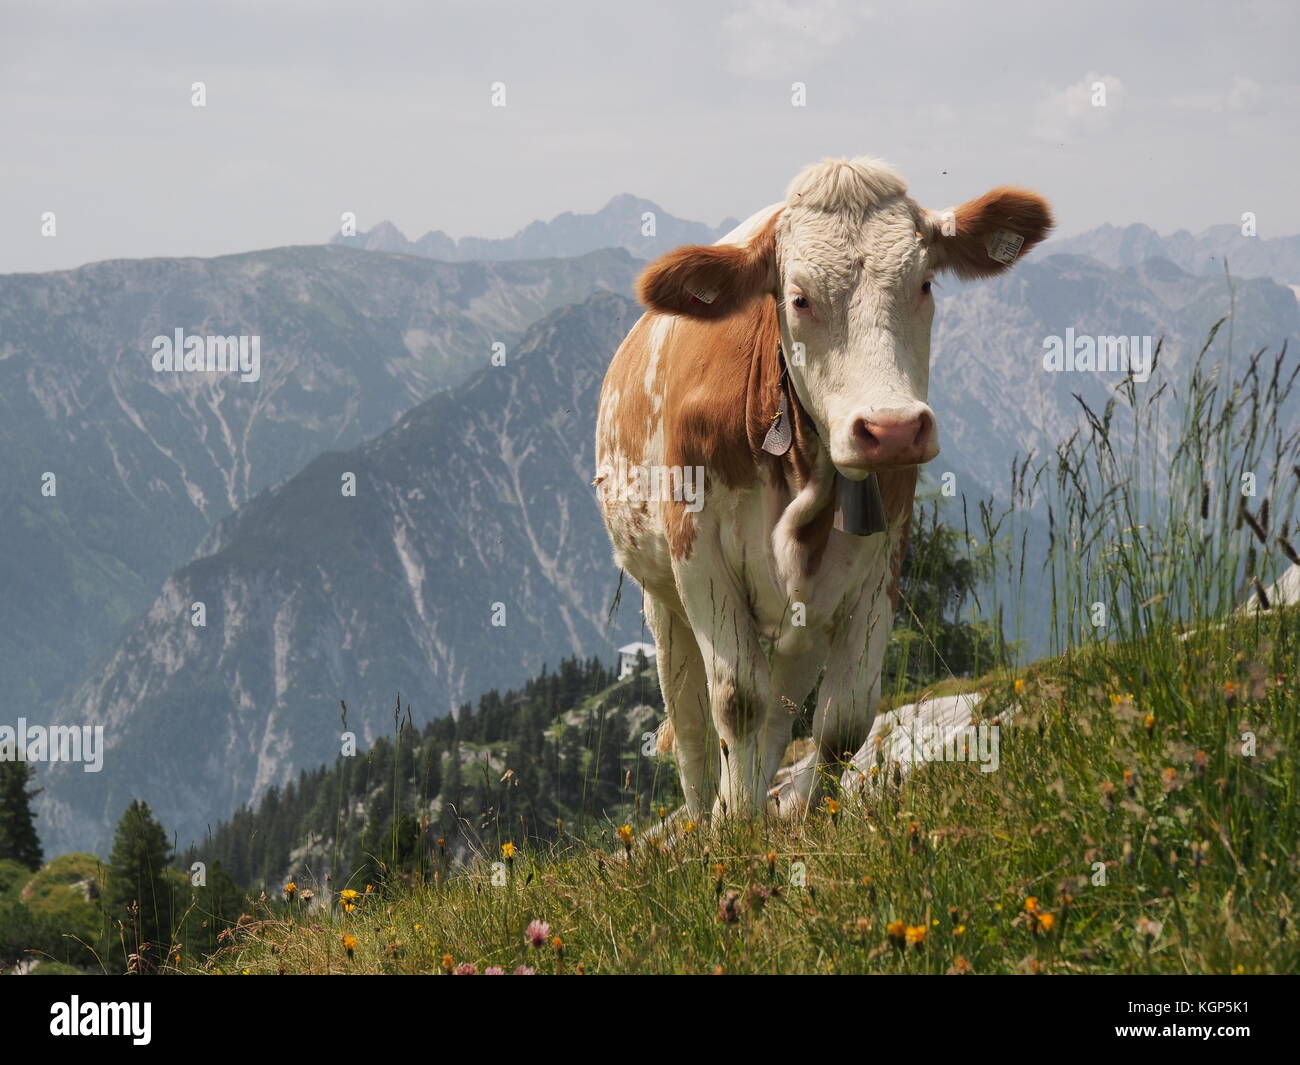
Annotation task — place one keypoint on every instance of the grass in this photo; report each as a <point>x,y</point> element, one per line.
<point>1144,818</point>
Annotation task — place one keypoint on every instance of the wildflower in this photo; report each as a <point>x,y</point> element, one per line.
<point>832,808</point>
<point>508,851</point>
<point>960,967</point>
<point>524,970</point>
<point>1149,723</point>
<point>728,911</point>
<point>1200,761</point>
<point>349,945</point>
<point>494,970</point>
<point>349,898</point>
<point>689,827</point>
<point>960,930</point>
<point>557,945</point>
<point>537,933</point>
<point>419,927</point>
<point>465,968</point>
<point>370,888</point>
<point>915,935</point>
<point>626,835</point>
<point>1169,776</point>
<point>663,812</point>
<point>1046,922</point>
<point>897,932</point>
<point>1130,781</point>
<point>1020,685</point>
<point>290,890</point>
<point>771,863</point>
<point>1031,904</point>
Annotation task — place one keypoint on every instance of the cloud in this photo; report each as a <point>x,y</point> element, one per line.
<point>1244,97</point>
<point>774,38</point>
<point>1079,109</point>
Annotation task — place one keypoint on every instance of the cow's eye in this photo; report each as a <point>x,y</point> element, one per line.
<point>801,302</point>
<point>925,287</point>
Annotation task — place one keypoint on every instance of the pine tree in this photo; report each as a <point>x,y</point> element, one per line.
<point>18,838</point>
<point>138,894</point>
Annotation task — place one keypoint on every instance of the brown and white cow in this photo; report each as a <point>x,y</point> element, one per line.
<point>818,307</point>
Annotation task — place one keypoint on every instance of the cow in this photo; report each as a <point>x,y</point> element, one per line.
<point>757,419</point>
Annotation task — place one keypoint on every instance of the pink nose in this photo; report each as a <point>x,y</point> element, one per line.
<point>885,441</point>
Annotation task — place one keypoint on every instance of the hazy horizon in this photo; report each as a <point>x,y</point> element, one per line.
<point>385,110</point>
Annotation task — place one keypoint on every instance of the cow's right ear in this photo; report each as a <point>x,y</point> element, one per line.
<point>711,280</point>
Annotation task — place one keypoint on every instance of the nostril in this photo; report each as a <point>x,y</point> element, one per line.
<point>863,434</point>
<point>923,426</point>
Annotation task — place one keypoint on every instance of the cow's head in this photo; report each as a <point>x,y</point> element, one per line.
<point>849,259</point>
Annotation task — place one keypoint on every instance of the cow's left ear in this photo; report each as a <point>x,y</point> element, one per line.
<point>986,236</point>
<point>711,280</point>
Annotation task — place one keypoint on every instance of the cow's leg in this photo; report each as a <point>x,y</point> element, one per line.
<point>850,689</point>
<point>739,685</point>
<point>686,699</point>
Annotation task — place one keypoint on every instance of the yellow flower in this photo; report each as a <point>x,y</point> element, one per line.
<point>1149,722</point>
<point>896,931</point>
<point>626,834</point>
<point>915,935</point>
<point>507,851</point>
<point>960,930</point>
<point>1031,904</point>
<point>349,898</point>
<point>290,890</point>
<point>1045,922</point>
<point>1020,685</point>
<point>349,944</point>
<point>690,827</point>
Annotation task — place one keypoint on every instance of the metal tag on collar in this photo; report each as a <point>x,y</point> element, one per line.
<point>859,509</point>
<point>781,434</point>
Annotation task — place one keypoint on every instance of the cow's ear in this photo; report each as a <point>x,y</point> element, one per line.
<point>986,236</point>
<point>711,280</point>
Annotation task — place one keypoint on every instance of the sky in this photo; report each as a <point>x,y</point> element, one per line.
<point>384,108</point>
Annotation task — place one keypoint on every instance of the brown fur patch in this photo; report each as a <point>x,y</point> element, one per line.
<point>711,281</point>
<point>1007,208</point>
<point>898,491</point>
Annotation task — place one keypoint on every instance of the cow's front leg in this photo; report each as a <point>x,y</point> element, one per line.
<point>850,689</point>
<point>751,736</point>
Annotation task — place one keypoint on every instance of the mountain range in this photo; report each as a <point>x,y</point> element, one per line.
<point>144,462</point>
<point>1219,250</point>
<point>640,227</point>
